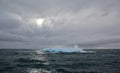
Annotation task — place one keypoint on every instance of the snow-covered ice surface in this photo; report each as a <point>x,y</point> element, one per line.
<point>65,50</point>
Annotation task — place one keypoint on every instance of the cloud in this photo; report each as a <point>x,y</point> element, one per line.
<point>88,23</point>
<point>7,37</point>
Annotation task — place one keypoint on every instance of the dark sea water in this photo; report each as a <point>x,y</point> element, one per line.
<point>29,61</point>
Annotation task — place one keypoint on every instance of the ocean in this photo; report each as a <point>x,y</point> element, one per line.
<point>29,61</point>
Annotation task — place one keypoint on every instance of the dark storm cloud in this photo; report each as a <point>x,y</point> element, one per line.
<point>88,23</point>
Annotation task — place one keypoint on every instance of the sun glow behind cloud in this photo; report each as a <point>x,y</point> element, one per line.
<point>39,22</point>
<point>42,22</point>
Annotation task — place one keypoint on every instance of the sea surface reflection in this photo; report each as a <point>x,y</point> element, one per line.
<point>29,61</point>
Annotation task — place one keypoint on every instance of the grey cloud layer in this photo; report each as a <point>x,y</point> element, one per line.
<point>88,23</point>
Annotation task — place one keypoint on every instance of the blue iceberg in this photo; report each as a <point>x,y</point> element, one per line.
<point>65,50</point>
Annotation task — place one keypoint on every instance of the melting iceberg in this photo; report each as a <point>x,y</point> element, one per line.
<point>65,50</point>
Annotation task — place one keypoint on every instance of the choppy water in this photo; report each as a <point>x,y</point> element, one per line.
<point>29,61</point>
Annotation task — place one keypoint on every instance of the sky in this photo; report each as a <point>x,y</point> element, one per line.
<point>38,24</point>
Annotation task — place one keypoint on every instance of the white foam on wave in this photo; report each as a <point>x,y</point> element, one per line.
<point>65,50</point>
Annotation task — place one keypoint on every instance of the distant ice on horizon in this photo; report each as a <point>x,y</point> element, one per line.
<point>65,50</point>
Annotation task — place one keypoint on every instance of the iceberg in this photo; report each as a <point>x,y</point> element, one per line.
<point>65,50</point>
